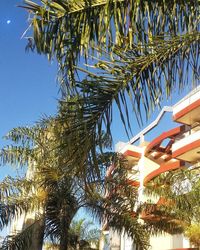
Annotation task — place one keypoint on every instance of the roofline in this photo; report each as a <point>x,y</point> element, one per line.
<point>151,125</point>
<point>191,93</point>
<point>159,117</point>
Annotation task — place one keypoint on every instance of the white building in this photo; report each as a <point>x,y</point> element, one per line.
<point>168,151</point>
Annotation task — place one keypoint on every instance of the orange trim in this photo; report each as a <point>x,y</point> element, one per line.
<point>186,148</point>
<point>163,168</point>
<point>132,153</point>
<point>158,140</point>
<point>186,110</point>
<point>162,201</point>
<point>133,183</point>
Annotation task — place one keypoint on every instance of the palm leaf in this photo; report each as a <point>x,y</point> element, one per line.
<point>20,240</point>
<point>132,75</point>
<point>65,29</point>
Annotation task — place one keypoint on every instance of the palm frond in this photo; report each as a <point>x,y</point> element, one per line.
<point>140,75</point>
<point>18,197</point>
<point>65,29</point>
<point>160,226</point>
<point>179,207</point>
<point>21,240</point>
<point>16,156</point>
<point>24,135</point>
<point>134,229</point>
<point>14,186</point>
<point>116,205</point>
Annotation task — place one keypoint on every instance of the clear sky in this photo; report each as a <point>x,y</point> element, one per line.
<point>28,86</point>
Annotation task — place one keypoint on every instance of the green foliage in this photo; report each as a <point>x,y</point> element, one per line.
<point>193,233</point>
<point>58,192</point>
<point>178,190</point>
<point>149,47</point>
<point>154,46</point>
<point>47,189</point>
<point>137,78</point>
<point>67,29</point>
<point>55,190</point>
<point>82,233</point>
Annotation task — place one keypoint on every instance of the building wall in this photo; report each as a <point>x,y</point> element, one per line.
<point>160,242</point>
<point>115,240</point>
<point>167,241</point>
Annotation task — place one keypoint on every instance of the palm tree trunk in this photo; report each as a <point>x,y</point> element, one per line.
<point>65,226</point>
<point>64,243</point>
<point>38,236</point>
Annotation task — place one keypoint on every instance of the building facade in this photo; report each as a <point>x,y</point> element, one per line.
<point>175,148</point>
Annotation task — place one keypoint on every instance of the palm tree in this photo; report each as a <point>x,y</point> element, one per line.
<point>53,191</point>
<point>82,234</point>
<point>49,193</point>
<point>150,46</point>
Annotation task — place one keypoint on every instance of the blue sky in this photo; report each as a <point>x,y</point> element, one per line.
<point>28,86</point>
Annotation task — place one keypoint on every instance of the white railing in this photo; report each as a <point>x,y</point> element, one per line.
<point>185,139</point>
<point>187,100</point>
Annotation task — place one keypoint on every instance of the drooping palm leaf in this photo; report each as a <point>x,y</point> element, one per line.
<point>142,76</point>
<point>22,240</point>
<point>65,29</point>
<point>17,199</point>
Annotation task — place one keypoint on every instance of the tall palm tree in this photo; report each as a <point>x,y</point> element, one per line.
<point>53,191</point>
<point>50,194</point>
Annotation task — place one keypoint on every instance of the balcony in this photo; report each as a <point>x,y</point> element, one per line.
<point>187,145</point>
<point>188,109</point>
